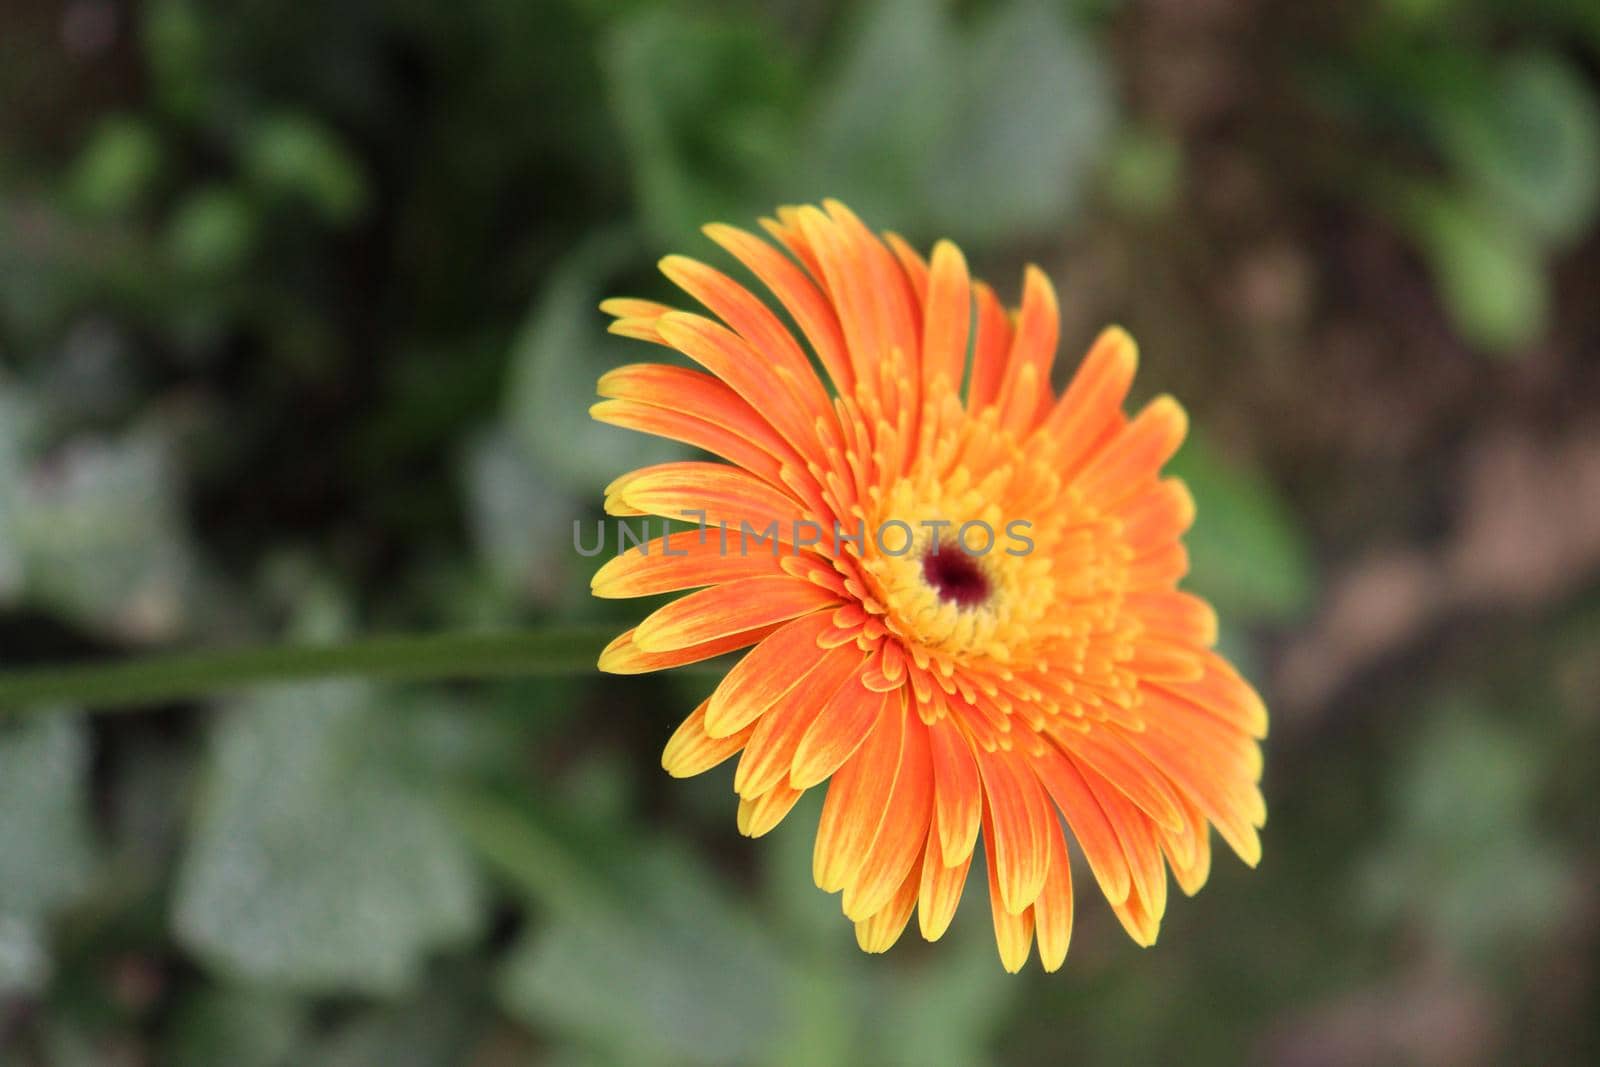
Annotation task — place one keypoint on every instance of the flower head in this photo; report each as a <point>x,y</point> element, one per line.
<point>965,619</point>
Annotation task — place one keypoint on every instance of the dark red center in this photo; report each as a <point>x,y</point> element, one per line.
<point>956,576</point>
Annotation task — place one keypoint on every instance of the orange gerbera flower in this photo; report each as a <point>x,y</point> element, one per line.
<point>946,692</point>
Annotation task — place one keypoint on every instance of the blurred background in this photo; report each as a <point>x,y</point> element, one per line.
<point>297,334</point>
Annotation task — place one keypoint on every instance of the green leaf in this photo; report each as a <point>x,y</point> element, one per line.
<point>238,1026</point>
<point>1489,272</point>
<point>1465,858</point>
<point>46,852</point>
<point>871,147</point>
<point>103,539</point>
<point>1144,174</point>
<point>704,108</point>
<point>296,157</point>
<point>315,862</point>
<point>1418,13</point>
<point>14,409</point>
<point>643,957</point>
<point>45,849</point>
<point>987,133</point>
<point>1033,112</point>
<point>177,46</point>
<point>213,231</point>
<point>118,166</point>
<point>432,1030</point>
<point>1531,145</point>
<point>1030,117</point>
<point>24,955</point>
<point>668,985</point>
<point>1247,551</point>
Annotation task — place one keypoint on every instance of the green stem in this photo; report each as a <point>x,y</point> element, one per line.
<point>144,680</point>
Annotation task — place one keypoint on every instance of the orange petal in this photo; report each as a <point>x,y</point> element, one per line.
<point>1181,618</point>
<point>692,751</point>
<point>691,430</point>
<point>990,350</point>
<point>1223,693</point>
<point>1136,918</point>
<point>1034,345</point>
<point>848,283</point>
<point>1222,746</point>
<point>911,261</point>
<point>940,888</point>
<point>709,493</point>
<point>730,608</point>
<point>639,329</point>
<point>665,384</point>
<point>687,559</point>
<point>1013,931</point>
<point>1017,813</point>
<point>752,320</point>
<point>882,929</point>
<point>1229,805</point>
<point>1136,454</point>
<point>761,679</point>
<point>759,815</point>
<point>886,671</point>
<point>891,296</point>
<point>622,656</point>
<point>838,731</point>
<point>797,294</point>
<point>1158,661</point>
<point>1090,409</point>
<point>692,392</point>
<point>817,570</point>
<point>857,800</point>
<point>1026,390</point>
<point>948,318</point>
<point>902,833</point>
<point>1093,831</point>
<point>624,307</point>
<point>1148,899</point>
<point>1160,569</point>
<point>1157,516</point>
<point>734,360</point>
<point>958,794</point>
<point>1133,775</point>
<point>1190,873</point>
<point>787,229</point>
<point>1052,912</point>
<point>767,759</point>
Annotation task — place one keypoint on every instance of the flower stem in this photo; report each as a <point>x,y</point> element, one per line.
<point>144,680</point>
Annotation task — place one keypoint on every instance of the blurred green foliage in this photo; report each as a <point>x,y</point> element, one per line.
<point>1465,832</point>
<point>44,836</point>
<point>314,860</point>
<point>297,336</point>
<point>1514,136</point>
